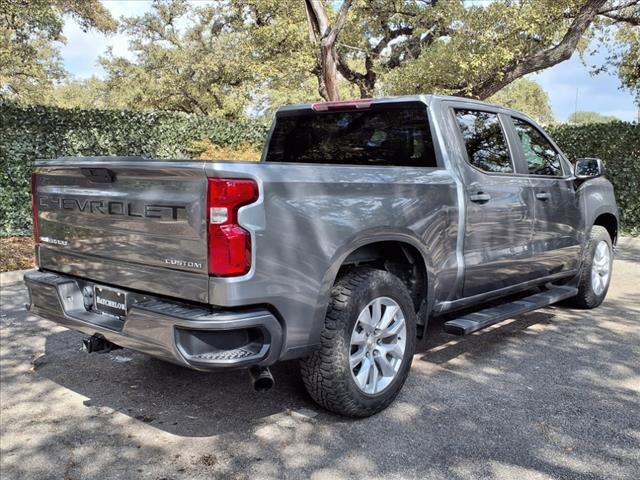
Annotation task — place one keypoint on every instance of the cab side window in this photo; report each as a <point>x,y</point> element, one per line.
<point>484,140</point>
<point>542,158</point>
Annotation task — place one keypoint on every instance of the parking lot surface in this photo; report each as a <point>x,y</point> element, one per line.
<point>551,394</point>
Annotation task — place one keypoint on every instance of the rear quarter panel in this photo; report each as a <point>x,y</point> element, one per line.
<point>310,217</point>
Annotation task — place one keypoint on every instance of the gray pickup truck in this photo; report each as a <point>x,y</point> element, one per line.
<point>363,220</point>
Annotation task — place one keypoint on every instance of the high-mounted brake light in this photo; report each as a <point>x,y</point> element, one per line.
<point>358,104</point>
<point>34,209</point>
<point>229,243</point>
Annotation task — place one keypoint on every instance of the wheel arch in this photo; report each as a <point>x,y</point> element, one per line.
<point>362,251</point>
<point>599,207</point>
<point>400,258</point>
<point>610,222</point>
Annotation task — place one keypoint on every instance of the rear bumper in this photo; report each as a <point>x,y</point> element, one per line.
<point>196,337</point>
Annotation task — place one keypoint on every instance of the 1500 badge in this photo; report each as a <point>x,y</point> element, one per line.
<point>113,207</point>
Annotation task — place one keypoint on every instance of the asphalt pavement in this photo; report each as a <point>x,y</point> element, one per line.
<point>551,394</point>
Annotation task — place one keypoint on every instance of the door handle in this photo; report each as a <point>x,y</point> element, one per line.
<point>480,197</point>
<point>543,196</point>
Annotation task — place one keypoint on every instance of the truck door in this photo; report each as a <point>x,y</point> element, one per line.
<point>499,219</point>
<point>558,222</point>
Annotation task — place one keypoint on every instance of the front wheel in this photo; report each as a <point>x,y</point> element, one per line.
<point>595,274</point>
<point>367,344</point>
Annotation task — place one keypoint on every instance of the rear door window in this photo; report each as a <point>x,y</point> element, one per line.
<point>395,135</point>
<point>484,141</point>
<point>541,156</point>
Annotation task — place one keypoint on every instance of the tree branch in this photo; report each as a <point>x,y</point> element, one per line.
<point>412,48</point>
<point>630,19</point>
<point>540,60</point>
<point>341,20</point>
<point>317,19</point>
<point>365,82</point>
<point>320,32</point>
<point>619,7</point>
<point>388,36</point>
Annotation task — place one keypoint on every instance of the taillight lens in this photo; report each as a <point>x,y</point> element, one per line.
<point>34,209</point>
<point>229,243</point>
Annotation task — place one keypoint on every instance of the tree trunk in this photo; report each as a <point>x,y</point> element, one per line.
<point>324,37</point>
<point>329,72</point>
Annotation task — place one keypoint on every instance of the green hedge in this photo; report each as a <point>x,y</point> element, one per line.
<point>618,145</point>
<point>27,133</point>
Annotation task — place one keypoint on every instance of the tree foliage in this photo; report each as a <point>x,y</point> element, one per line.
<point>528,97</point>
<point>628,62</point>
<point>584,118</point>
<point>247,56</point>
<point>213,59</point>
<point>30,34</point>
<point>83,93</point>
<point>619,35</point>
<point>465,48</point>
<point>204,149</point>
<point>238,58</point>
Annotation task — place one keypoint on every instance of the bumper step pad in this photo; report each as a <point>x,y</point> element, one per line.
<point>475,321</point>
<point>234,354</point>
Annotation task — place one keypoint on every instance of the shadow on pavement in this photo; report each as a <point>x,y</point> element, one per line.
<point>552,393</point>
<point>199,404</point>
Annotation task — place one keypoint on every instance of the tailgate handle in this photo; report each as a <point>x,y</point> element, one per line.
<point>99,175</point>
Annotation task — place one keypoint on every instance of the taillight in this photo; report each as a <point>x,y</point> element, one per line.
<point>34,209</point>
<point>229,243</point>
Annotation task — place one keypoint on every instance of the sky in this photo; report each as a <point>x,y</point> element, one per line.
<point>562,82</point>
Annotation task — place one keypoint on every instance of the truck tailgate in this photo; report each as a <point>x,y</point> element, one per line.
<point>127,222</point>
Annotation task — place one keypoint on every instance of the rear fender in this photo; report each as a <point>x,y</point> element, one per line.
<point>362,239</point>
<point>596,198</point>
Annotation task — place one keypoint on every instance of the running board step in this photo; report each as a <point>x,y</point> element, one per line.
<point>475,321</point>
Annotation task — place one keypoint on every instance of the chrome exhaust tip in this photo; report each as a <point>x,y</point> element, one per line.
<point>261,378</point>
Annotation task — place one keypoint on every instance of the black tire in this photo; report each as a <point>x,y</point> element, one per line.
<point>587,297</point>
<point>326,373</point>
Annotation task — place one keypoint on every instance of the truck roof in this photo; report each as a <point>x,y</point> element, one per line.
<point>426,99</point>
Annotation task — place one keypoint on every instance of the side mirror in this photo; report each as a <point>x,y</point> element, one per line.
<point>587,168</point>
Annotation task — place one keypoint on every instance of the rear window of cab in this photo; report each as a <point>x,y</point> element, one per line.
<point>387,135</point>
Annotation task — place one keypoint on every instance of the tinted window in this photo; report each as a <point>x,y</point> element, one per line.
<point>540,155</point>
<point>380,136</point>
<point>485,141</point>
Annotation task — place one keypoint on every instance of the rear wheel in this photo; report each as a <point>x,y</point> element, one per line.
<point>367,344</point>
<point>595,275</point>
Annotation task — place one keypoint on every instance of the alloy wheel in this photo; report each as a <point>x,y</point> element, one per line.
<point>378,344</point>
<point>600,268</point>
